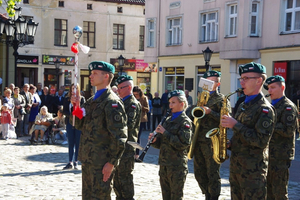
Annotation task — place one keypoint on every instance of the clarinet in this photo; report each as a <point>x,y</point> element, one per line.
<point>141,157</point>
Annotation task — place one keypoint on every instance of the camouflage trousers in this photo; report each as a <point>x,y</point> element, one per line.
<point>247,184</point>
<point>172,181</point>
<point>93,186</point>
<point>123,179</point>
<point>206,170</point>
<point>277,179</point>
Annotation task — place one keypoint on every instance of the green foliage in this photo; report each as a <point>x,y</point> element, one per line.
<point>10,6</point>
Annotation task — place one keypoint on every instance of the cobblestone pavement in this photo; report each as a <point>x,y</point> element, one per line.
<point>35,172</point>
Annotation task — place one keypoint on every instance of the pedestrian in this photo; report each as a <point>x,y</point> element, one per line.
<point>165,102</point>
<point>58,101</point>
<point>148,94</point>
<point>252,126</point>
<point>282,143</point>
<point>12,88</point>
<point>72,132</point>
<point>36,102</point>
<point>19,110</point>
<point>104,133</point>
<point>173,140</point>
<point>115,89</point>
<point>39,89</point>
<point>9,100</point>
<point>188,97</point>
<point>47,99</point>
<point>139,95</point>
<point>6,120</point>
<point>28,104</point>
<point>123,179</point>
<point>206,169</point>
<point>60,127</point>
<point>41,124</point>
<point>148,123</point>
<point>157,112</point>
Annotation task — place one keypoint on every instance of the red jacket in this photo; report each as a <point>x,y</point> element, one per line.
<point>5,117</point>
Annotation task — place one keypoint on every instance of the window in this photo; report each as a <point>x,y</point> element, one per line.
<point>151,33</point>
<point>61,4</point>
<point>89,6</point>
<point>174,78</point>
<point>232,20</point>
<point>292,15</point>
<point>118,36</point>
<point>26,1</point>
<point>254,15</point>
<point>60,32</point>
<point>89,34</point>
<point>144,80</point>
<point>209,27</point>
<point>142,35</point>
<point>120,9</point>
<point>174,31</point>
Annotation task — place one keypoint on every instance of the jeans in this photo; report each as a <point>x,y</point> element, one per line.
<point>142,126</point>
<point>62,136</point>
<point>73,139</point>
<point>25,125</point>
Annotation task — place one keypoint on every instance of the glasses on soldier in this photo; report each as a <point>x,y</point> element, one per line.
<point>247,78</point>
<point>123,87</point>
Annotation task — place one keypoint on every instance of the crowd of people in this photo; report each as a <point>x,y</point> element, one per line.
<point>108,127</point>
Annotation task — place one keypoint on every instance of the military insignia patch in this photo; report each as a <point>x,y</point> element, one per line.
<point>288,108</point>
<point>114,105</point>
<point>117,118</point>
<point>289,118</point>
<point>265,124</point>
<point>133,106</point>
<point>265,110</point>
<point>187,126</point>
<point>131,114</point>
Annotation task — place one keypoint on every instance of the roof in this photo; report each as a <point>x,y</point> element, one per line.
<point>137,2</point>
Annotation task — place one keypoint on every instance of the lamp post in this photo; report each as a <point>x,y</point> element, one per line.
<point>207,55</point>
<point>19,32</point>
<point>121,60</point>
<point>57,65</point>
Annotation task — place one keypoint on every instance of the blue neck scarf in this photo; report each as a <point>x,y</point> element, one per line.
<point>211,92</point>
<point>99,92</point>
<point>249,98</point>
<point>126,97</point>
<point>175,115</point>
<point>275,101</point>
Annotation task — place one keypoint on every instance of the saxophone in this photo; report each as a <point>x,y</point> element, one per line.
<point>218,136</point>
<point>198,112</point>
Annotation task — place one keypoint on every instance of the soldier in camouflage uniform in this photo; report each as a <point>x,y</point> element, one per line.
<point>123,180</point>
<point>282,143</point>
<point>173,140</point>
<point>206,170</point>
<point>104,133</point>
<point>252,126</point>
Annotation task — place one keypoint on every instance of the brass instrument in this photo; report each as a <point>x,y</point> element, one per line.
<point>218,136</point>
<point>198,112</point>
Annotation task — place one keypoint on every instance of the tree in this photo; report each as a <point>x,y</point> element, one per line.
<point>10,6</point>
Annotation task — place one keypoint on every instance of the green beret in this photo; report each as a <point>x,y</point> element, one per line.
<point>123,78</point>
<point>101,65</point>
<point>175,93</point>
<point>252,67</point>
<point>273,79</point>
<point>211,74</point>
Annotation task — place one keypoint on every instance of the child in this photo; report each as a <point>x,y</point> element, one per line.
<point>60,126</point>
<point>173,139</point>
<point>6,120</point>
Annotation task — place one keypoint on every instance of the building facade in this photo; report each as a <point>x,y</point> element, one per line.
<point>237,31</point>
<point>110,28</point>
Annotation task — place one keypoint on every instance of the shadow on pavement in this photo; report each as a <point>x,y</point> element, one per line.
<point>49,157</point>
<point>44,173</point>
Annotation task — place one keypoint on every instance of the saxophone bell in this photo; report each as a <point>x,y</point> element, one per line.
<point>198,112</point>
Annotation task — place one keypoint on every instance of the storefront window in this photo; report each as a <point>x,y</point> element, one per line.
<point>50,78</point>
<point>144,80</point>
<point>174,78</point>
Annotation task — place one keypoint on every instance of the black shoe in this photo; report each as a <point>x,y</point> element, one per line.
<point>137,160</point>
<point>75,164</point>
<point>68,166</point>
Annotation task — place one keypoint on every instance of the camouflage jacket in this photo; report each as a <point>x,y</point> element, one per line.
<point>282,143</point>
<point>175,141</point>
<point>211,120</point>
<point>104,130</point>
<point>252,133</point>
<point>133,110</point>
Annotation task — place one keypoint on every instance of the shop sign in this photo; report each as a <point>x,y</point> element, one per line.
<point>31,60</point>
<point>134,65</point>
<point>170,70</point>
<point>280,68</point>
<point>180,70</point>
<point>63,60</point>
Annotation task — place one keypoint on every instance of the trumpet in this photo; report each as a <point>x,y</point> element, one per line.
<point>218,136</point>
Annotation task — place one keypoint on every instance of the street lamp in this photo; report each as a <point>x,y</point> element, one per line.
<point>121,60</point>
<point>17,29</point>
<point>57,65</point>
<point>207,55</point>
